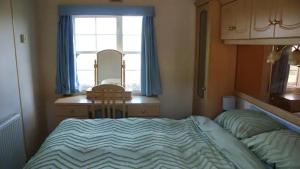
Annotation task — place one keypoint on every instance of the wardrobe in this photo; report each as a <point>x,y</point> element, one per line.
<point>21,121</point>
<point>215,62</point>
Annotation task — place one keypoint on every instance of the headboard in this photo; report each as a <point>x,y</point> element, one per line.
<point>244,103</point>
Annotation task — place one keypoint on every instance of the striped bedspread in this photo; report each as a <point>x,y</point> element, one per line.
<point>142,143</point>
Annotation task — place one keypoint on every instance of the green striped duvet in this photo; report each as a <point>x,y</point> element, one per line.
<point>195,142</point>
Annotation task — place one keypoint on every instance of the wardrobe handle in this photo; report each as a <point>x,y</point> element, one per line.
<point>232,28</point>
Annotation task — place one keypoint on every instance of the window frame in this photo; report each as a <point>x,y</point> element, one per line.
<point>119,40</point>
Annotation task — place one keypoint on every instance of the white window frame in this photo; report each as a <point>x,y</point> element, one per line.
<point>119,37</point>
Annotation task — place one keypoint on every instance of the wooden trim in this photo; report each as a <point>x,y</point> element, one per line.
<point>293,118</point>
<point>278,41</point>
<point>225,2</point>
<point>201,2</point>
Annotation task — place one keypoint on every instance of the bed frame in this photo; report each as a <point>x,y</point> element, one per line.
<point>290,120</point>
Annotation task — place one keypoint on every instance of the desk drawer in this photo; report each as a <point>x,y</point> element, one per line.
<point>72,111</point>
<point>143,110</point>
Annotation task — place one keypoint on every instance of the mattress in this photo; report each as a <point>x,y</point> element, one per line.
<point>194,142</point>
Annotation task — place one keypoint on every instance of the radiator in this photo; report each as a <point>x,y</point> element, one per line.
<point>12,149</point>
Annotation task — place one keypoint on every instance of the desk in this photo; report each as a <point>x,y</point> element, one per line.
<point>78,107</point>
<point>289,102</point>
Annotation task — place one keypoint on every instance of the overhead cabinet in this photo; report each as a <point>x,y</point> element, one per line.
<point>267,19</point>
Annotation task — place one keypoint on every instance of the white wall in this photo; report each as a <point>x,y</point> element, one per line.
<point>28,74</point>
<point>175,29</point>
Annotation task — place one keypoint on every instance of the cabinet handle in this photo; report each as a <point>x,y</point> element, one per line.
<point>232,28</point>
<point>274,22</point>
<point>278,22</point>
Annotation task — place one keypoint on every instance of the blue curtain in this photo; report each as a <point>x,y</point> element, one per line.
<point>280,74</point>
<point>66,78</point>
<point>150,77</point>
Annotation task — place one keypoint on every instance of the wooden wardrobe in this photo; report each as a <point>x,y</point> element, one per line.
<point>215,63</point>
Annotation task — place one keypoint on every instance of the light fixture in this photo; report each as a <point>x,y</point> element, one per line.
<point>294,56</point>
<point>274,55</point>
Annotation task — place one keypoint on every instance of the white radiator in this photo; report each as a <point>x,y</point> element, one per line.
<point>12,149</point>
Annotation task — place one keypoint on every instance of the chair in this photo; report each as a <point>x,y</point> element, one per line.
<point>109,68</point>
<point>109,98</point>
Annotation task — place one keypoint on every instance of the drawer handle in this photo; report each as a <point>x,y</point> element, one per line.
<point>232,28</point>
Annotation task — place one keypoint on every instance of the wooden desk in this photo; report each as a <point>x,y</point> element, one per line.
<point>289,102</point>
<point>78,107</point>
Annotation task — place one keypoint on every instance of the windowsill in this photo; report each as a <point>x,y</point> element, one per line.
<point>134,93</point>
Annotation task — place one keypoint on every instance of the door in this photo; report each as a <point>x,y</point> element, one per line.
<point>9,92</point>
<point>263,19</point>
<point>236,20</point>
<point>288,16</point>
<point>200,70</point>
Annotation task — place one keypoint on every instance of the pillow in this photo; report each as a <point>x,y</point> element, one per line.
<point>280,148</point>
<point>245,123</point>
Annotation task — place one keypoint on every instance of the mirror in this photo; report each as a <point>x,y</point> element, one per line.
<point>109,68</point>
<point>276,82</point>
<point>202,54</point>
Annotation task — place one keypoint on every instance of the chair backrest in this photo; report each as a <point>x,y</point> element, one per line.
<point>109,67</point>
<point>108,97</point>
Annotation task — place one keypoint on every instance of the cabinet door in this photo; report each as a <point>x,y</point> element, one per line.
<point>228,20</point>
<point>263,15</point>
<point>289,16</point>
<point>236,20</point>
<point>9,92</point>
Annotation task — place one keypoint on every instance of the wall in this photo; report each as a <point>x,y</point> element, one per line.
<point>175,29</point>
<point>33,119</point>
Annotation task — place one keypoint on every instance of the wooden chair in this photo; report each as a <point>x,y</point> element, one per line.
<point>108,97</point>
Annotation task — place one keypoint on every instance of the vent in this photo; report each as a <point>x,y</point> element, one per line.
<point>12,151</point>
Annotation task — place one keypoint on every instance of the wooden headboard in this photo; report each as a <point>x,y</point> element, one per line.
<point>290,117</point>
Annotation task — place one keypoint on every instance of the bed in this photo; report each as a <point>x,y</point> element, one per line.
<point>194,142</point>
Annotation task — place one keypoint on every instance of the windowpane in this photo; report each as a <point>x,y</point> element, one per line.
<point>85,78</point>
<point>85,25</point>
<point>85,61</point>
<point>94,34</point>
<point>131,43</point>
<point>133,61</point>
<point>85,43</point>
<point>132,25</point>
<point>106,26</point>
<point>133,79</point>
<point>106,42</point>
<point>293,75</point>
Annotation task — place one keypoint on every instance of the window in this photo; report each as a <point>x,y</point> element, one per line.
<point>294,80</point>
<point>294,75</point>
<point>95,33</point>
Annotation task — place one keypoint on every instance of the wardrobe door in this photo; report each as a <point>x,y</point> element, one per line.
<point>263,16</point>
<point>288,16</point>
<point>12,153</point>
<point>9,92</point>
